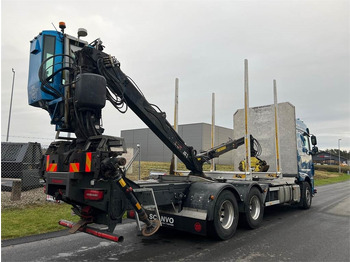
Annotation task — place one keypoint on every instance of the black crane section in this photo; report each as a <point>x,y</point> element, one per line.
<point>123,92</point>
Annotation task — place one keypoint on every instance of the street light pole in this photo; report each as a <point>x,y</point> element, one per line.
<point>139,151</point>
<point>8,125</point>
<point>339,154</point>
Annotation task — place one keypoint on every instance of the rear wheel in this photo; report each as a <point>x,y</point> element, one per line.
<point>226,215</point>
<point>306,195</point>
<point>254,209</point>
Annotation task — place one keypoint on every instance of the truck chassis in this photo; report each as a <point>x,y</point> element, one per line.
<point>205,206</point>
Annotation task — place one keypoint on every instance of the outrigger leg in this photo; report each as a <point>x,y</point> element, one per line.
<point>151,226</point>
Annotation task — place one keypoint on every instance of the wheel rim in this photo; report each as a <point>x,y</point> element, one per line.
<point>226,214</point>
<point>254,207</point>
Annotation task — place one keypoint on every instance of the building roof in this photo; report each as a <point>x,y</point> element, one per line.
<point>182,125</point>
<point>322,155</point>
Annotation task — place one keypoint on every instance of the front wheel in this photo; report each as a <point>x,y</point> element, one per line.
<point>306,195</point>
<point>226,215</point>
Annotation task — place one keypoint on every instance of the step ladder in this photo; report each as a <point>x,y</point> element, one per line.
<point>146,197</point>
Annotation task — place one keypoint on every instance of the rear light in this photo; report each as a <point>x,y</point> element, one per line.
<point>93,194</point>
<point>130,214</point>
<point>198,227</point>
<point>57,181</point>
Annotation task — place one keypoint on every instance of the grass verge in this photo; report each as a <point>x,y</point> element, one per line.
<point>324,177</point>
<point>34,219</point>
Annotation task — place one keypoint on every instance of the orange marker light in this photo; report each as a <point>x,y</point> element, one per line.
<point>62,25</point>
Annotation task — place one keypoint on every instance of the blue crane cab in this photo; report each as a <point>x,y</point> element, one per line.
<point>50,71</point>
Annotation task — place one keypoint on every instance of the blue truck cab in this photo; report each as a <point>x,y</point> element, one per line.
<point>306,169</point>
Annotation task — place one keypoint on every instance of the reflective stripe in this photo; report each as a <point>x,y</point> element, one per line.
<point>88,162</point>
<point>47,162</point>
<point>74,167</point>
<point>52,167</point>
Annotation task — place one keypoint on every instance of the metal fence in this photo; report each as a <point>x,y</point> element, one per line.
<point>20,181</point>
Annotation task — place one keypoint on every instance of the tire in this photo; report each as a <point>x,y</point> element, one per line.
<point>306,195</point>
<point>254,209</point>
<point>226,216</point>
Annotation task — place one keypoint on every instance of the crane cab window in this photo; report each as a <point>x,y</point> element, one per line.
<point>48,51</point>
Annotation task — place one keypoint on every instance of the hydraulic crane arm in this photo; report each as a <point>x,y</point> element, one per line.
<point>91,60</point>
<point>220,149</point>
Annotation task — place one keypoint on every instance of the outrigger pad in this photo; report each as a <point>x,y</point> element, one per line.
<point>150,230</point>
<point>77,226</point>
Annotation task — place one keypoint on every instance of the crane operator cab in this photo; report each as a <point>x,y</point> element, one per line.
<point>54,81</point>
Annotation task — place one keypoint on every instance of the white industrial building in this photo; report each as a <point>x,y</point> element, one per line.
<point>196,135</point>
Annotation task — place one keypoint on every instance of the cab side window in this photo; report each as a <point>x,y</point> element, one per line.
<point>305,142</point>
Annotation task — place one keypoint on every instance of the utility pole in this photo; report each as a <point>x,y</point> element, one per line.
<point>339,155</point>
<point>8,125</point>
<point>139,151</point>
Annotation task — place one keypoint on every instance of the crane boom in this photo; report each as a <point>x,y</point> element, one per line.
<point>107,66</point>
<point>95,61</point>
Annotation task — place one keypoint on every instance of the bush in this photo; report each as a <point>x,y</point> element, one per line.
<point>327,168</point>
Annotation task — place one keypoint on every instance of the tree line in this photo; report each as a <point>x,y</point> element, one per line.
<point>343,153</point>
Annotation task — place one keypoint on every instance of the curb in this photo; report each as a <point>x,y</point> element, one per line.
<point>34,238</point>
<point>28,239</point>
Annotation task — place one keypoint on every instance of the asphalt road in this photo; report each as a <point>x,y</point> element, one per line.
<point>321,233</point>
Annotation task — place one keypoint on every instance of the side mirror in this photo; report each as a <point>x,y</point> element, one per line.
<point>314,150</point>
<point>313,140</point>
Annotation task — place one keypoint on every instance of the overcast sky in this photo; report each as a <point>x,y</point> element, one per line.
<point>304,45</point>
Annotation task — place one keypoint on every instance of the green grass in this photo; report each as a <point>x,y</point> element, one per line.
<point>324,177</point>
<point>146,167</point>
<point>332,168</point>
<point>32,220</point>
<point>38,219</point>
